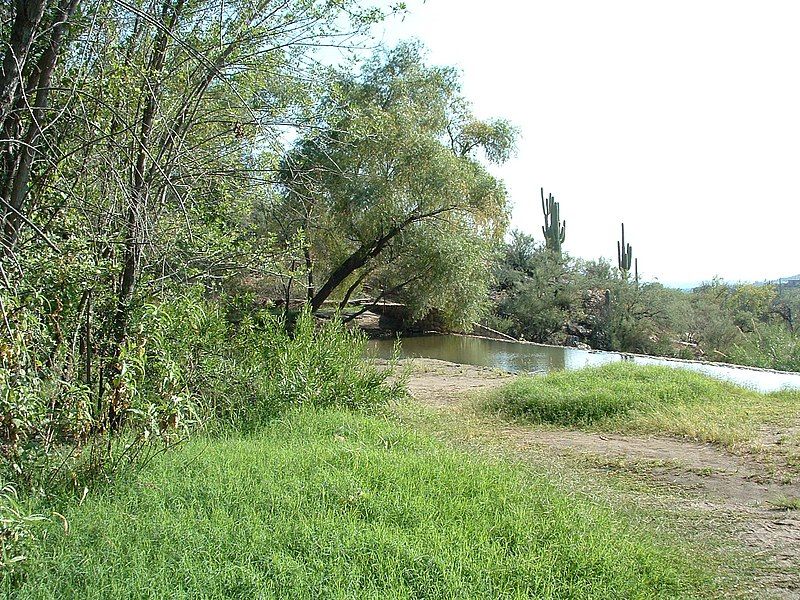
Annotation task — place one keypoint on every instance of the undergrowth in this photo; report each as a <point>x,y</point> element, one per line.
<point>331,504</point>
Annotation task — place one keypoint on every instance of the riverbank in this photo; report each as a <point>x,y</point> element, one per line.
<point>528,357</point>
<point>335,504</point>
<point>434,496</point>
<point>735,503</point>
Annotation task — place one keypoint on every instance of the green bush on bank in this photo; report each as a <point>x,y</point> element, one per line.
<point>644,399</point>
<point>769,346</point>
<point>245,373</point>
<point>591,395</point>
<point>186,364</point>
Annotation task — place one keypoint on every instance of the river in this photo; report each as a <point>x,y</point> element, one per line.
<point>519,357</point>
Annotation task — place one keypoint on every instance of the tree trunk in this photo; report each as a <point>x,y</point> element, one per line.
<point>29,15</point>
<point>139,193</point>
<point>365,253</point>
<point>309,273</point>
<point>40,81</point>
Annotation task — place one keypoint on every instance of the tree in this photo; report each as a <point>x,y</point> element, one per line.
<point>34,45</point>
<point>537,294</point>
<point>390,192</point>
<point>137,137</point>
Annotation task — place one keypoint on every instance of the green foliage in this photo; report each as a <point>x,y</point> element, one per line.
<point>646,399</point>
<point>185,364</point>
<point>336,505</point>
<point>153,186</point>
<point>543,297</point>
<point>19,529</point>
<point>750,304</point>
<point>546,297</point>
<point>589,396</point>
<point>769,346</point>
<point>265,368</point>
<point>384,203</point>
<point>40,404</point>
<point>535,290</point>
<point>638,318</point>
<point>786,503</point>
<point>453,282</point>
<point>324,367</point>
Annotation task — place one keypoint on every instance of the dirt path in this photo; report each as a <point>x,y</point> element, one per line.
<point>739,493</point>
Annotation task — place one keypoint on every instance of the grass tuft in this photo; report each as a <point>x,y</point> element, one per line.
<point>786,503</point>
<point>645,399</point>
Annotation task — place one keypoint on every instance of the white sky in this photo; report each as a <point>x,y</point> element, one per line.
<point>681,118</point>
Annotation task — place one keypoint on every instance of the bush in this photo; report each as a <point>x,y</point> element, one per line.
<point>199,363</point>
<point>273,369</point>
<point>18,528</point>
<point>625,397</point>
<point>42,405</point>
<point>185,364</point>
<point>769,346</point>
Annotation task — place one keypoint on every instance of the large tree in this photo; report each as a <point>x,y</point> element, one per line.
<point>136,136</point>
<point>390,190</point>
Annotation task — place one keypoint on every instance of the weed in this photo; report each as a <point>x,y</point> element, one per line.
<point>785,503</point>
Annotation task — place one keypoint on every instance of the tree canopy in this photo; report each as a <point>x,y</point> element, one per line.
<point>389,191</point>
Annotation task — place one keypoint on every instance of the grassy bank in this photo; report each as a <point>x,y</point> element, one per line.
<point>330,504</point>
<point>646,399</point>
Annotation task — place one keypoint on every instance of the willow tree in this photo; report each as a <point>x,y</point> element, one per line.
<point>390,190</point>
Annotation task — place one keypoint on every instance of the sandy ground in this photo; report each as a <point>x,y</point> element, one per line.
<point>737,490</point>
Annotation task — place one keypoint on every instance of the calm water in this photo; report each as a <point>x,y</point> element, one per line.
<point>533,358</point>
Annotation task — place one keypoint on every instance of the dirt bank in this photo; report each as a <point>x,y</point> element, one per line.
<point>737,493</point>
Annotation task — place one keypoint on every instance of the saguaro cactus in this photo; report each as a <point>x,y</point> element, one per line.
<point>625,256</point>
<point>554,230</point>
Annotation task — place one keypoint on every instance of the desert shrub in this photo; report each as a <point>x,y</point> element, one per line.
<point>186,363</point>
<point>769,346</point>
<point>535,290</point>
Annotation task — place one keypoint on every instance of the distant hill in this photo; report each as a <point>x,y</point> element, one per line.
<point>690,285</point>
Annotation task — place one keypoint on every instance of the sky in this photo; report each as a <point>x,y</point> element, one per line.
<point>680,118</point>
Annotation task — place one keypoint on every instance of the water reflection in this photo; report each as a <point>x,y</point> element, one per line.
<point>533,358</point>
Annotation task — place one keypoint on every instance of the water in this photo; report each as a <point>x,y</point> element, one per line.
<point>518,357</point>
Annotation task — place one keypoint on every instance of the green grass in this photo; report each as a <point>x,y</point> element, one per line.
<point>328,504</point>
<point>645,399</point>
<point>786,503</point>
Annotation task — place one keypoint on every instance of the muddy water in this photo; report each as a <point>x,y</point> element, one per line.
<point>519,357</point>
